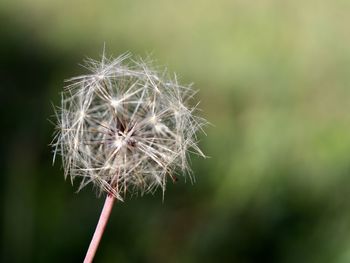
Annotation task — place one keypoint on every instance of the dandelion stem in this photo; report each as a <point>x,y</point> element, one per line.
<point>101,225</point>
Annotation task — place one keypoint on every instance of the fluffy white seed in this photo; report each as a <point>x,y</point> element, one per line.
<point>125,128</point>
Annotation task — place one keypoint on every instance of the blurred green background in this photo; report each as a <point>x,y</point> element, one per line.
<point>274,80</point>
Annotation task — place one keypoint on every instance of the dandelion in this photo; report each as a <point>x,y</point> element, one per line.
<point>125,128</point>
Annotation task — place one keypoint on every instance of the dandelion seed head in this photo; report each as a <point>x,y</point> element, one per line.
<point>125,128</point>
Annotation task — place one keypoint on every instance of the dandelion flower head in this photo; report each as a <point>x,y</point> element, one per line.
<point>125,127</point>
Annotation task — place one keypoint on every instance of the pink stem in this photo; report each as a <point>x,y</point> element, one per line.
<point>102,222</point>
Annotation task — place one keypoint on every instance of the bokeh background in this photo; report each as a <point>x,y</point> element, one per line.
<point>274,80</point>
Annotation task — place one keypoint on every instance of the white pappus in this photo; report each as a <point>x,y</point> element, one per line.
<point>125,127</point>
